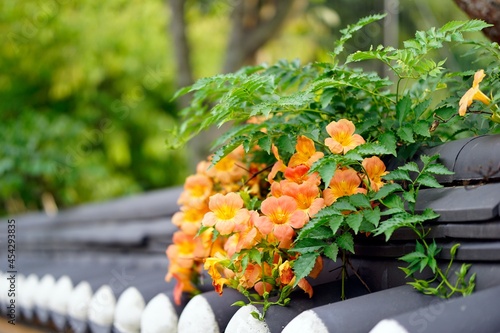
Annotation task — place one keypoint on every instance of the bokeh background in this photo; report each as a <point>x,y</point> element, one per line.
<point>86,86</point>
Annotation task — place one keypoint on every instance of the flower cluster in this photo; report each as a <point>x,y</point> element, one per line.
<point>248,244</point>
<point>284,192</point>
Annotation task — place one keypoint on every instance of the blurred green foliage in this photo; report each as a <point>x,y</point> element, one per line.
<point>84,89</point>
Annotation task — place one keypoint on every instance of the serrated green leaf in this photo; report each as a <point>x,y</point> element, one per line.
<point>353,220</point>
<point>451,26</point>
<point>410,166</point>
<point>350,29</point>
<point>343,204</point>
<point>386,190</point>
<point>335,223</point>
<point>403,108</point>
<point>265,144</point>
<point>428,159</point>
<point>255,256</point>
<point>326,212</point>
<point>225,150</point>
<point>373,149</point>
<point>346,242</point>
<point>360,200</point>
<point>388,140</point>
<point>316,222</point>
<point>303,265</point>
<point>353,155</point>
<point>332,251</point>
<point>438,169</point>
<point>409,196</point>
<point>308,245</point>
<point>320,232</point>
<point>475,25</point>
<point>286,144</point>
<point>388,226</point>
<point>392,211</point>
<point>422,128</point>
<point>420,108</point>
<point>405,132</point>
<point>412,44</point>
<point>372,216</point>
<point>398,174</point>
<point>327,170</point>
<point>428,180</point>
<point>393,201</point>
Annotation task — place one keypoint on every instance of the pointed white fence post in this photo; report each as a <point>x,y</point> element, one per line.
<point>243,321</point>
<point>198,317</point>
<point>159,316</point>
<point>102,309</point>
<point>128,311</point>
<point>26,298</point>
<point>209,312</point>
<point>58,302</point>
<point>42,297</point>
<point>78,307</point>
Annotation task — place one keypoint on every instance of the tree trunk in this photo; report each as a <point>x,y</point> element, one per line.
<point>181,47</point>
<point>487,10</point>
<point>254,23</point>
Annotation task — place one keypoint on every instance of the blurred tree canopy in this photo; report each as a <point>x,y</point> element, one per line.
<point>86,86</point>
<point>84,89</point>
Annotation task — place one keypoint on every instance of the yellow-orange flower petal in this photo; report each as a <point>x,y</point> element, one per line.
<point>342,137</point>
<point>286,275</point>
<point>214,266</point>
<point>225,212</point>
<point>375,169</point>
<point>306,195</point>
<point>343,183</point>
<point>197,189</point>
<point>473,94</point>
<point>306,153</point>
<point>281,216</point>
<point>304,285</point>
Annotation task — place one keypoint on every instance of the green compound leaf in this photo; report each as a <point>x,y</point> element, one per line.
<point>308,245</point>
<point>403,108</point>
<point>405,132</point>
<point>332,251</point>
<point>372,216</point>
<point>398,174</point>
<point>354,221</point>
<point>386,190</point>
<point>428,180</point>
<point>422,128</point>
<point>360,200</point>
<point>438,169</point>
<point>388,140</point>
<point>327,170</point>
<point>304,265</point>
<point>346,242</point>
<point>410,166</point>
<point>335,223</point>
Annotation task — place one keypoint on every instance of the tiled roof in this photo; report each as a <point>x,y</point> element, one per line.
<point>101,267</point>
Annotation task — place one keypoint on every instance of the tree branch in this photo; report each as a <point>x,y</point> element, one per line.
<point>250,30</point>
<point>181,47</point>
<point>487,10</point>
